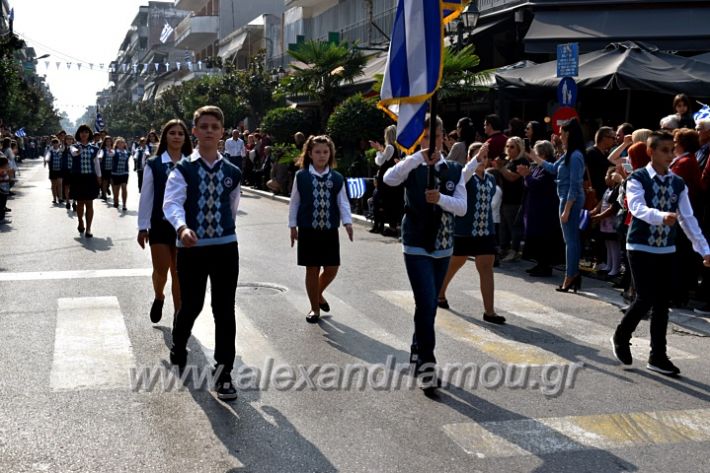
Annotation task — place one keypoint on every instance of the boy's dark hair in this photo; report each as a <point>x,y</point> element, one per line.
<point>439,122</point>
<point>627,128</point>
<point>209,110</point>
<point>657,136</point>
<point>494,121</point>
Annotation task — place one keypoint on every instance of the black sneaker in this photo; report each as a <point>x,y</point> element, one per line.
<point>156,311</point>
<point>428,380</point>
<point>178,358</point>
<point>663,365</point>
<point>621,350</point>
<point>413,355</point>
<point>225,389</point>
<point>494,319</point>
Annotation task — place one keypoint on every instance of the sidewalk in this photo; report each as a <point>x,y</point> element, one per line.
<point>685,321</point>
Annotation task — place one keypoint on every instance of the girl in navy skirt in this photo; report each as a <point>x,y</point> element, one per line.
<point>119,172</point>
<point>319,202</point>
<point>53,158</point>
<point>66,170</point>
<point>152,226</point>
<point>86,177</point>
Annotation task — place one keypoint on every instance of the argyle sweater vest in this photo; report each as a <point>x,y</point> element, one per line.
<point>478,221</point>
<point>160,171</point>
<point>207,206</point>
<point>425,225</point>
<point>319,199</point>
<point>84,162</point>
<point>661,194</point>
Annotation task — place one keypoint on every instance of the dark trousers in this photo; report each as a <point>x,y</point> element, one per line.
<point>140,180</point>
<point>651,274</point>
<point>426,275</point>
<point>3,203</point>
<point>194,265</point>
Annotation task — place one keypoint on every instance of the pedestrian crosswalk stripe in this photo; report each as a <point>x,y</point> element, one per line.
<point>91,346</point>
<point>585,331</point>
<point>573,433</point>
<point>78,274</point>
<point>496,346</point>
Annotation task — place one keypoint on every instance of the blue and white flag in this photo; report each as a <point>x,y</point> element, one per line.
<point>702,114</point>
<point>415,64</point>
<point>99,125</point>
<point>11,16</point>
<point>356,187</point>
<point>21,133</point>
<point>165,34</point>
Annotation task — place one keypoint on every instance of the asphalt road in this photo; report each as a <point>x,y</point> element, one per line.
<point>76,334</point>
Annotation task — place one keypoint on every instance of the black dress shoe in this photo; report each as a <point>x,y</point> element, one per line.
<point>494,319</point>
<point>324,306</point>
<point>442,303</point>
<point>156,311</point>
<point>312,317</point>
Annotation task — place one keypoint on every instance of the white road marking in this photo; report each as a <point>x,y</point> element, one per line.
<point>573,433</point>
<point>587,332</point>
<point>78,274</point>
<point>482,339</point>
<point>91,345</point>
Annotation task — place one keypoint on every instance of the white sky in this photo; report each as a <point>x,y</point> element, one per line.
<point>88,31</point>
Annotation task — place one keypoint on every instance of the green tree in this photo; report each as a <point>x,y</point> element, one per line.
<point>356,119</point>
<point>326,68</point>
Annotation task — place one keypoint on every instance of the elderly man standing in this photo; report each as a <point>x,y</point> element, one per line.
<point>234,146</point>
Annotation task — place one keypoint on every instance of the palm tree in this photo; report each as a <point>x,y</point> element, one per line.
<point>325,68</point>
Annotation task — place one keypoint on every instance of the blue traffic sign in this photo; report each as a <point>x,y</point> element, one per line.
<point>567,92</point>
<point>568,60</point>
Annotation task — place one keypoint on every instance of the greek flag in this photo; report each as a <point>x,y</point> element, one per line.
<point>99,124</point>
<point>356,187</point>
<point>702,114</point>
<point>165,34</point>
<point>415,64</point>
<point>21,133</point>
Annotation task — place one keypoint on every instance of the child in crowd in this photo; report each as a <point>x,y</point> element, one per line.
<point>119,171</point>
<point>53,157</point>
<point>319,202</point>
<point>4,185</point>
<point>434,192</point>
<point>657,200</point>
<point>475,232</point>
<point>106,156</point>
<point>605,214</point>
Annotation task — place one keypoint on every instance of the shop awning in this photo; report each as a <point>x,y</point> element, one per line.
<point>675,29</point>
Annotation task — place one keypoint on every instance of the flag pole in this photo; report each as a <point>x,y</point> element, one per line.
<point>432,140</point>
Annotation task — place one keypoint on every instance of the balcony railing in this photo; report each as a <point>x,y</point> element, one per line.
<point>196,32</point>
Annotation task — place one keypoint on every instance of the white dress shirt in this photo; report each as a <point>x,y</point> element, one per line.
<point>384,156</point>
<point>635,196</point>
<point>176,194</point>
<point>455,204</point>
<point>343,202</point>
<point>145,205</point>
<point>235,147</point>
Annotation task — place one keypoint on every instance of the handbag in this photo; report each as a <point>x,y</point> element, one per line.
<point>590,195</point>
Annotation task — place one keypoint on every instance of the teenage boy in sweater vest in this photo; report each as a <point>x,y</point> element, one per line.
<point>657,199</point>
<point>201,201</point>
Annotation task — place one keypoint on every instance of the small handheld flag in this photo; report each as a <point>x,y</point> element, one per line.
<point>702,114</point>
<point>99,125</point>
<point>356,187</point>
<point>165,34</point>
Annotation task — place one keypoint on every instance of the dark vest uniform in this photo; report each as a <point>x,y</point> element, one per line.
<point>319,199</point>
<point>120,162</point>
<point>160,171</point>
<point>478,221</point>
<point>84,162</point>
<point>55,160</point>
<point>661,194</point>
<point>107,160</point>
<point>207,207</point>
<point>424,226</point>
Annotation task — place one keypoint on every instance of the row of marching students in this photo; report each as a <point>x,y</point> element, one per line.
<point>86,165</point>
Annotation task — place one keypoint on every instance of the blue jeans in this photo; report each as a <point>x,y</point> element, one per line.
<point>426,275</point>
<point>570,231</point>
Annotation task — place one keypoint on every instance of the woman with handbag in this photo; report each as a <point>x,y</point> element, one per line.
<point>570,172</point>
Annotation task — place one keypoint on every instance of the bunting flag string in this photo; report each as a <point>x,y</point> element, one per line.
<point>130,68</point>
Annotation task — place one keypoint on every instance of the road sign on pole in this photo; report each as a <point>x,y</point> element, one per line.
<point>567,92</point>
<point>568,60</point>
<point>561,117</point>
